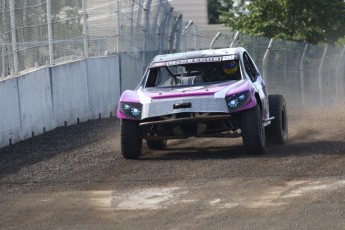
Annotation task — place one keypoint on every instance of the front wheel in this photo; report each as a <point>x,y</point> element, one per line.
<point>277,131</point>
<point>131,142</point>
<point>253,131</point>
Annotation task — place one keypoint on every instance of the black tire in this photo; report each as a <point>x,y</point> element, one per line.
<point>156,145</point>
<point>131,142</point>
<point>277,131</point>
<point>253,131</point>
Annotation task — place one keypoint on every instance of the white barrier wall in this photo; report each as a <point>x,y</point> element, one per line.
<point>104,85</point>
<point>10,124</point>
<point>50,97</point>
<point>35,100</point>
<point>131,72</point>
<point>70,92</point>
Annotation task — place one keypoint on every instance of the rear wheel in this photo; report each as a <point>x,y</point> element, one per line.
<point>156,145</point>
<point>131,142</point>
<point>277,131</point>
<point>253,131</point>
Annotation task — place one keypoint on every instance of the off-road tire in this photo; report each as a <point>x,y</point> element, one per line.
<point>253,131</point>
<point>156,145</point>
<point>277,131</point>
<point>131,142</point>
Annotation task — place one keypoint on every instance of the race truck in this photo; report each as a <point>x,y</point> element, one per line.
<point>208,93</point>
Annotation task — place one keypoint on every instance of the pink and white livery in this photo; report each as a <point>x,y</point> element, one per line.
<point>207,93</point>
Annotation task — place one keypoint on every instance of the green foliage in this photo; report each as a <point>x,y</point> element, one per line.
<point>215,7</point>
<point>312,21</point>
<point>341,41</point>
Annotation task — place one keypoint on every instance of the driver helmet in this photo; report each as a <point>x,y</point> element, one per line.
<point>230,67</point>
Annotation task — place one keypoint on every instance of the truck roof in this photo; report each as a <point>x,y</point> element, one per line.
<point>197,54</point>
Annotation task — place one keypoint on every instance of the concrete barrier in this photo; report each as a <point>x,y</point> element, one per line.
<point>131,72</point>
<point>104,85</point>
<point>49,97</point>
<point>35,100</point>
<point>70,92</point>
<point>10,123</point>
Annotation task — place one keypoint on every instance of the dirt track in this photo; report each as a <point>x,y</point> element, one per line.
<point>75,178</point>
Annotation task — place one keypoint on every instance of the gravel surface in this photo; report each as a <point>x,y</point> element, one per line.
<point>75,178</point>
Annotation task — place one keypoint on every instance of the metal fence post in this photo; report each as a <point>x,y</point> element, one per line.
<point>235,38</point>
<point>50,32</point>
<point>215,39</point>
<point>179,35</point>
<point>157,29</point>
<point>139,20</point>
<point>320,74</point>
<point>118,18</point>
<point>131,18</point>
<point>185,30</point>
<point>301,73</point>
<point>14,37</point>
<point>173,33</point>
<point>196,40</point>
<point>338,74</point>
<point>265,60</point>
<point>85,31</point>
<point>3,40</point>
<point>161,29</point>
<point>147,29</point>
<point>166,19</point>
<point>3,58</point>
<point>168,27</point>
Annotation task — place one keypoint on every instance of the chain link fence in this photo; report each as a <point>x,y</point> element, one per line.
<point>306,74</point>
<point>36,33</point>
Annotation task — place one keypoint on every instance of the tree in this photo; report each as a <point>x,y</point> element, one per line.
<point>312,21</point>
<point>215,7</point>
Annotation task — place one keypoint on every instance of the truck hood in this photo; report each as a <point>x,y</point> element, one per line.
<point>155,102</point>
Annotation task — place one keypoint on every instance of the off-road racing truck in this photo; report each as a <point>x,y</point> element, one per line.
<point>207,93</point>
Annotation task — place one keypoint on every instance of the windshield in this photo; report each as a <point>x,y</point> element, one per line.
<point>193,73</point>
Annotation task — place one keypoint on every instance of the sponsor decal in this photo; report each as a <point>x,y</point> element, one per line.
<point>194,60</point>
<point>228,58</point>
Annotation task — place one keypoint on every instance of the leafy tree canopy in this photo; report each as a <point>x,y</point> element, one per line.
<point>312,21</point>
<point>215,7</point>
